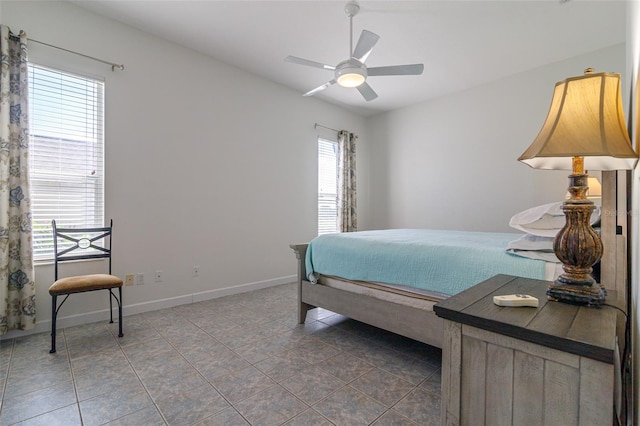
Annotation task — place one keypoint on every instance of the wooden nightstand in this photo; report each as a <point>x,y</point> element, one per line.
<point>551,365</point>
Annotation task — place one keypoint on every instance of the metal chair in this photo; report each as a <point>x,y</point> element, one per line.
<point>82,248</point>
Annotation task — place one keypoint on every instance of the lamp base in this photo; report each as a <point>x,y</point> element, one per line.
<point>593,295</point>
<point>577,246</point>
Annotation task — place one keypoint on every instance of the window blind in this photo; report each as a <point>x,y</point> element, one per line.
<point>327,186</point>
<point>66,114</point>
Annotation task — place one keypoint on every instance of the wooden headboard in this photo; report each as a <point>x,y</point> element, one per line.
<point>613,272</point>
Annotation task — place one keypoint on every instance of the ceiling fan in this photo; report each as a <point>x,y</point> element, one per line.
<point>353,72</point>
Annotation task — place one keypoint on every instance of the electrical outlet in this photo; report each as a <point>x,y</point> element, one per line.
<point>196,271</point>
<point>158,277</point>
<point>128,279</point>
<point>140,278</point>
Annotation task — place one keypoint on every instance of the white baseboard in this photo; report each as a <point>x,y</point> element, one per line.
<point>153,305</point>
<point>242,288</point>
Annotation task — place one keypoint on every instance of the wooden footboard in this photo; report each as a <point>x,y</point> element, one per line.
<point>419,324</point>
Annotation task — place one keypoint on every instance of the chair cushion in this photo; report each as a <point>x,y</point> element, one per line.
<point>82,283</point>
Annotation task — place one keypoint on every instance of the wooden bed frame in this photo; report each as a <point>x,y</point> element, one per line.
<point>419,324</point>
<point>422,324</point>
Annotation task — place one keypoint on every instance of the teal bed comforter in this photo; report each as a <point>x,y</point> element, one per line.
<point>446,262</point>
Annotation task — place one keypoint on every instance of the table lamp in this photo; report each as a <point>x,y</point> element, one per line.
<point>595,189</point>
<point>584,130</point>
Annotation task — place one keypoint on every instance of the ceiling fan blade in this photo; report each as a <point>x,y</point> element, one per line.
<point>365,45</point>
<point>367,92</point>
<point>309,63</point>
<point>413,69</point>
<point>320,88</point>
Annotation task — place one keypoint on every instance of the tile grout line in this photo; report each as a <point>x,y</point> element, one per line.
<point>73,377</point>
<point>214,386</point>
<point>6,380</point>
<point>349,384</point>
<point>404,396</point>
<point>195,368</point>
<point>254,366</point>
<point>308,406</point>
<point>141,382</point>
<point>139,379</point>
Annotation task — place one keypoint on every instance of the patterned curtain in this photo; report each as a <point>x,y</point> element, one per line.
<point>17,286</point>
<point>347,204</point>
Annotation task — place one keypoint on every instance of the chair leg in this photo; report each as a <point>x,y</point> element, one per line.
<point>120,311</point>
<point>110,307</point>
<point>54,314</point>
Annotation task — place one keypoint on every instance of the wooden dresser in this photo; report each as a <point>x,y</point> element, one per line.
<point>551,365</point>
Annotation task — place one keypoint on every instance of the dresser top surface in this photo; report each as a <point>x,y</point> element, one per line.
<point>581,330</point>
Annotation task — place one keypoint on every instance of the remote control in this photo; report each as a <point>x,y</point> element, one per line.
<point>516,300</point>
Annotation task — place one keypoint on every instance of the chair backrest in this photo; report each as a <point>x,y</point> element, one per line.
<point>81,245</point>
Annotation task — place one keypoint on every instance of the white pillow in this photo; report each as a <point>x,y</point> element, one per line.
<point>532,242</point>
<point>545,220</point>
<point>533,247</point>
<point>538,255</point>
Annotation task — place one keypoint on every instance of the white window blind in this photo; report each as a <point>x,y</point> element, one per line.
<point>66,114</point>
<point>327,186</point>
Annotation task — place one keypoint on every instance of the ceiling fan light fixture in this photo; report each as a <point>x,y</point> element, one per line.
<point>351,80</point>
<point>350,74</point>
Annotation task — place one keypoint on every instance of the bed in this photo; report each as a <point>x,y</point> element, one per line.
<point>407,311</point>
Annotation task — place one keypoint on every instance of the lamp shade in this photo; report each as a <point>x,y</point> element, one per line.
<point>595,189</point>
<point>585,119</point>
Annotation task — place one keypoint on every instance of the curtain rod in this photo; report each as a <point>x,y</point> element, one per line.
<point>315,126</point>
<point>113,65</point>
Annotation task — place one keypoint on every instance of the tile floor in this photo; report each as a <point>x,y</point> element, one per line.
<point>237,360</point>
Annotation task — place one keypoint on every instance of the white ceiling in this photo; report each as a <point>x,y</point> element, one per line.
<point>461,43</point>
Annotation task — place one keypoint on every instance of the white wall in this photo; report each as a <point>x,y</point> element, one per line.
<point>205,164</point>
<point>452,163</point>
<point>633,66</point>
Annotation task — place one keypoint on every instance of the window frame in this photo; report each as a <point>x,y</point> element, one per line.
<point>325,197</point>
<point>49,188</point>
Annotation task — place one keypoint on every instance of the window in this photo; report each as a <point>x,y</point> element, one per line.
<point>327,186</point>
<point>66,115</point>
